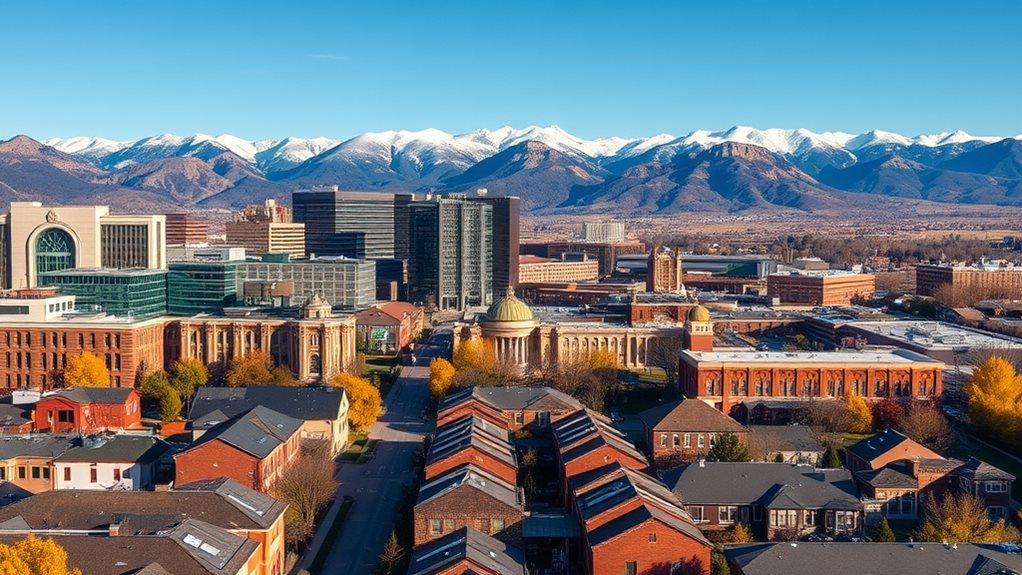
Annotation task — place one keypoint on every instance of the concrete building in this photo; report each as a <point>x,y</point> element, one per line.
<point>43,238</point>
<point>129,293</point>
<point>606,253</point>
<point>820,288</point>
<point>184,228</point>
<point>601,232</point>
<point>362,225</point>
<point>205,252</point>
<point>268,228</point>
<point>348,284</point>
<point>451,255</point>
<point>534,269</point>
<point>506,240</point>
<point>930,279</point>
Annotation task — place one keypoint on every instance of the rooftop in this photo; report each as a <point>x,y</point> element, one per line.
<point>887,440</point>
<point>466,544</point>
<point>937,335</point>
<point>115,272</point>
<point>774,438</point>
<point>120,447</point>
<point>768,484</point>
<point>845,357</point>
<point>213,405</point>
<point>257,431</point>
<point>473,477</point>
<point>688,415</point>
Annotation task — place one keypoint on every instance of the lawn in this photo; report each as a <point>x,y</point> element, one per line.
<point>385,368</point>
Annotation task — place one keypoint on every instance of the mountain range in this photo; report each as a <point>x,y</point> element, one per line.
<point>553,171</point>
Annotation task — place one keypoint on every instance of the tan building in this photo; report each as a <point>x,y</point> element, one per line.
<point>534,269</point>
<point>606,253</point>
<point>663,272</point>
<point>185,229</point>
<point>820,288</point>
<point>44,238</point>
<point>314,346</point>
<point>262,237</point>
<point>931,278</point>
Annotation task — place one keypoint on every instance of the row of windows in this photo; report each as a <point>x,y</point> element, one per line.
<point>49,360</point>
<point>702,439</point>
<point>492,526</point>
<point>23,472</point>
<point>109,340</point>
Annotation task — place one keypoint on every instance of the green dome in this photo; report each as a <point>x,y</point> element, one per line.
<point>699,313</point>
<point>509,308</point>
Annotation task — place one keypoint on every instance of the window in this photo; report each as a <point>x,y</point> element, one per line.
<point>726,514</point>
<point>702,442</point>
<point>995,487</point>
<point>448,525</point>
<point>995,511</point>
<point>757,513</point>
<point>810,517</point>
<point>22,473</point>
<point>93,478</point>
<point>663,439</point>
<point>519,419</point>
<point>3,473</point>
<point>36,473</point>
<point>117,474</point>
<point>688,440</point>
<point>496,525</point>
<point>675,441</point>
<point>66,416</point>
<point>697,513</point>
<point>67,474</point>
<point>630,568</point>
<point>434,527</point>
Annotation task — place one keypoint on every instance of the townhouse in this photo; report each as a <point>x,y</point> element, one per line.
<point>683,431</point>
<point>469,496</point>
<point>113,462</point>
<point>466,551</point>
<point>474,440</point>
<point>586,440</point>
<point>530,407</point>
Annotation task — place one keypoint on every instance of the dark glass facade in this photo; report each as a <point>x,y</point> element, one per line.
<point>201,287</point>
<point>136,294</point>
<point>124,245</point>
<point>451,263</point>
<point>361,225</point>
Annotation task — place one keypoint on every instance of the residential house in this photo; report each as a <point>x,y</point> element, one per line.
<point>633,524</point>
<point>26,464</point>
<point>112,462</point>
<point>533,407</point>
<point>773,499</point>
<point>472,440</point>
<point>222,502</point>
<point>254,448</point>
<point>390,327</point>
<point>192,547</point>
<point>683,431</point>
<point>990,484</point>
<point>88,410</point>
<point>885,447</point>
<point>871,558</point>
<point>466,551</point>
<point>586,440</point>
<point>469,497</point>
<point>322,410</point>
<point>793,443</point>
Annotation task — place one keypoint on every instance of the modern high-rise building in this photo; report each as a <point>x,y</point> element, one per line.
<point>603,232</point>
<point>345,283</point>
<point>268,229</point>
<point>184,228</point>
<point>360,225</point>
<point>129,293</point>
<point>506,239</point>
<point>451,259</point>
<point>201,287</point>
<point>42,238</point>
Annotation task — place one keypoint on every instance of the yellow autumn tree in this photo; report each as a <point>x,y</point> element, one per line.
<point>602,359</point>
<point>441,374</point>
<point>962,518</point>
<point>365,404</point>
<point>995,391</point>
<point>251,369</point>
<point>35,556</point>
<point>477,354</point>
<point>861,416</point>
<point>86,370</point>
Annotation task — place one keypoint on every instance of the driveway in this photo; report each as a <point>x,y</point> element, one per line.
<point>377,485</point>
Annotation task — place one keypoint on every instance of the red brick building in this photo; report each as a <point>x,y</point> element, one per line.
<point>253,448</point>
<point>466,551</point>
<point>389,327</point>
<point>683,431</point>
<point>522,406</point>
<point>821,288</point>
<point>586,441</point>
<point>469,497</point>
<point>88,410</point>
<point>472,440</point>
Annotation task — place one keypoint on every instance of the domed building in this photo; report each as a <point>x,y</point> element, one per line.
<point>698,329</point>
<point>510,323</point>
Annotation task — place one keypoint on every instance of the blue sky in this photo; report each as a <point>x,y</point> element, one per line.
<point>270,69</point>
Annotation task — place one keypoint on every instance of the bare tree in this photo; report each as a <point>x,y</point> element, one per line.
<point>926,424</point>
<point>978,355</point>
<point>307,487</point>
<point>391,556</point>
<point>662,352</point>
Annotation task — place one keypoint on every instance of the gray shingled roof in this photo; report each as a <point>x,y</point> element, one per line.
<point>638,516</point>
<point>872,447</point>
<point>471,477</point>
<point>525,398</point>
<point>688,415</point>
<point>774,438</point>
<point>36,445</point>
<point>120,447</point>
<point>257,431</point>
<point>981,471</point>
<point>872,559</point>
<point>115,395</point>
<point>12,415</point>
<point>891,476</point>
<point>475,432</point>
<point>766,484</point>
<point>214,404</point>
<point>466,543</point>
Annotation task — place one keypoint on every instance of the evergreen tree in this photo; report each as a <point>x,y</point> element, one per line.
<point>831,458</point>
<point>728,447</point>
<point>883,532</point>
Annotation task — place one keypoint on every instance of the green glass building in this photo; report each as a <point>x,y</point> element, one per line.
<point>130,293</point>
<point>201,287</point>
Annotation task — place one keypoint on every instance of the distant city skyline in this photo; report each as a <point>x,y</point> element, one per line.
<point>266,70</point>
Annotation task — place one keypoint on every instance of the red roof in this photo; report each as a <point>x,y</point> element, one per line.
<point>399,309</point>
<point>529,259</point>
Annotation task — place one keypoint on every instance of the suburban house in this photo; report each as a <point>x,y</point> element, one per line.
<point>472,440</point>
<point>192,547</point>
<point>858,558</point>
<point>677,432</point>
<point>990,484</point>
<point>773,499</point>
<point>633,524</point>
<point>26,464</point>
<point>223,503</point>
<point>390,327</point>
<point>883,448</point>
<point>112,462</point>
<point>254,448</point>
<point>88,410</point>
<point>522,406</point>
<point>469,497</point>
<point>322,410</point>
<point>466,551</point>
<point>586,440</point>
<point>794,444</point>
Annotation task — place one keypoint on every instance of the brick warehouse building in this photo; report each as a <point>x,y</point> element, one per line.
<point>931,278</point>
<point>726,379</point>
<point>828,287</point>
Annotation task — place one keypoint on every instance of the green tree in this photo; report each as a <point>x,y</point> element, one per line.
<point>728,447</point>
<point>883,532</point>
<point>170,405</point>
<point>779,458</point>
<point>154,385</point>
<point>281,376</point>
<point>831,458</point>
<point>188,375</point>
<point>718,564</point>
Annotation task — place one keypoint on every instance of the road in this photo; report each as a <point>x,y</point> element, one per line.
<point>377,485</point>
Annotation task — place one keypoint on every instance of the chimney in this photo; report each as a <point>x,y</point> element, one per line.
<point>115,529</point>
<point>702,463</point>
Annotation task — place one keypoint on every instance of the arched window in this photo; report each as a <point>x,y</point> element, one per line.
<point>315,366</point>
<point>54,251</point>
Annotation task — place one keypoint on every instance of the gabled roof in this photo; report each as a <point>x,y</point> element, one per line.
<point>257,431</point>
<point>471,439</point>
<point>766,484</point>
<point>116,448</point>
<point>85,395</point>
<point>621,485</point>
<point>489,554</point>
<point>15,415</point>
<point>806,558</point>
<point>890,440</point>
<point>688,415</point>
<point>526,398</point>
<point>977,470</point>
<point>35,445</point>
<point>472,477</point>
<point>774,438</point>
<point>638,516</point>
<point>890,476</point>
<point>221,502</point>
<point>215,404</point>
